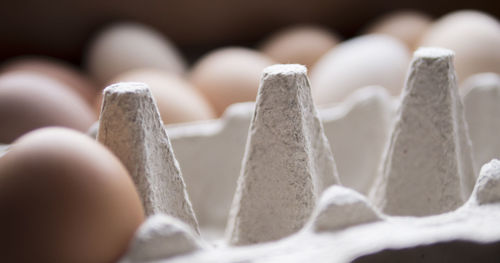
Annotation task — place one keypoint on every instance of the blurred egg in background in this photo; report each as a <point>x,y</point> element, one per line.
<point>473,36</point>
<point>178,101</point>
<point>222,47</point>
<point>362,61</point>
<point>59,70</point>
<point>407,26</point>
<point>125,46</point>
<point>31,100</point>
<point>299,44</point>
<point>229,75</point>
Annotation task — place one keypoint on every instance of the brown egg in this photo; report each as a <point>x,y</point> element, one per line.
<point>300,44</point>
<point>473,36</point>
<point>126,46</point>
<point>65,198</point>
<point>69,76</point>
<point>229,75</point>
<point>407,26</point>
<point>178,101</point>
<point>30,100</point>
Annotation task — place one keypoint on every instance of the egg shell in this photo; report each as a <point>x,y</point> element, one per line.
<point>125,46</point>
<point>299,44</point>
<point>362,61</point>
<point>473,36</point>
<point>31,100</point>
<point>178,101</point>
<point>60,71</point>
<point>229,75</point>
<point>407,26</point>
<point>65,198</point>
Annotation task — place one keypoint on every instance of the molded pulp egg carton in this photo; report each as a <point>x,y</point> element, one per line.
<point>378,179</point>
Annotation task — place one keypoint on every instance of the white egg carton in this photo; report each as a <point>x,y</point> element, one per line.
<point>449,211</point>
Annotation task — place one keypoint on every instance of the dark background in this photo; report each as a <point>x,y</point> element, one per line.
<point>62,28</point>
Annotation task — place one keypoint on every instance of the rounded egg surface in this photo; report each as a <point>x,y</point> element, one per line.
<point>362,61</point>
<point>65,198</point>
<point>30,100</point>
<point>69,76</point>
<point>407,26</point>
<point>178,101</point>
<point>300,44</point>
<point>473,36</point>
<point>229,75</point>
<point>125,46</point>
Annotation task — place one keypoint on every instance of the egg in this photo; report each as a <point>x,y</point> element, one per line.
<point>299,44</point>
<point>125,46</point>
<point>407,26</point>
<point>65,198</point>
<point>178,101</point>
<point>229,75</point>
<point>69,76</point>
<point>362,61</point>
<point>473,36</point>
<point>30,100</point>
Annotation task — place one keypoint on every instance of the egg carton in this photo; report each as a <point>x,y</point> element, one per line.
<point>424,204</point>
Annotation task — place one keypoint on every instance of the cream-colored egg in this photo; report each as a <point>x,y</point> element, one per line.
<point>407,26</point>
<point>362,61</point>
<point>300,44</point>
<point>473,36</point>
<point>125,46</point>
<point>178,101</point>
<point>229,75</point>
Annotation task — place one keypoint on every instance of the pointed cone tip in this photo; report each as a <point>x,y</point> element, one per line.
<point>433,53</point>
<point>126,87</point>
<point>285,69</point>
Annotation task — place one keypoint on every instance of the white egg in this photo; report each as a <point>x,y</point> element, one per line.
<point>362,61</point>
<point>125,46</point>
<point>473,36</point>
<point>407,26</point>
